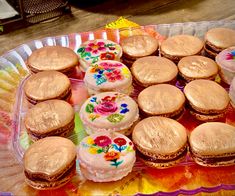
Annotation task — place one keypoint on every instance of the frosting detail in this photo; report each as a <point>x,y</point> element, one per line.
<point>107,107</point>
<point>230,55</point>
<point>112,151</point>
<point>95,51</point>
<point>109,72</point>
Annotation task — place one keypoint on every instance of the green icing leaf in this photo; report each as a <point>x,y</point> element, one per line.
<point>89,108</point>
<point>116,163</point>
<point>81,50</point>
<point>99,151</point>
<point>115,118</point>
<point>94,59</point>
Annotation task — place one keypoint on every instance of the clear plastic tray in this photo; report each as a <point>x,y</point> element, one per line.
<point>185,178</point>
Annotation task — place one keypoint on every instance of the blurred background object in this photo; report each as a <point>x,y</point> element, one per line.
<point>21,13</point>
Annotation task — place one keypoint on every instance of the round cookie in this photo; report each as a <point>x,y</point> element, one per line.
<point>161,142</point>
<point>50,163</point>
<point>47,85</point>
<point>138,46</point>
<point>197,67</point>
<point>49,118</point>
<point>109,111</point>
<point>208,100</point>
<point>153,70</point>
<point>213,144</point>
<point>105,157</point>
<point>108,75</point>
<point>179,46</point>
<point>218,39</point>
<point>55,58</point>
<point>226,62</point>
<point>162,100</point>
<point>93,51</point>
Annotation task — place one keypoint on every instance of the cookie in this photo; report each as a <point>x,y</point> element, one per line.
<point>161,142</point>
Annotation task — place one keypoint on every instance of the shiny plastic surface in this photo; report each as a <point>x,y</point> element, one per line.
<point>185,178</point>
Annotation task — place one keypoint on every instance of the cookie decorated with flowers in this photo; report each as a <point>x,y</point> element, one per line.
<point>106,157</point>
<point>109,111</point>
<point>226,62</point>
<point>93,51</point>
<point>108,75</point>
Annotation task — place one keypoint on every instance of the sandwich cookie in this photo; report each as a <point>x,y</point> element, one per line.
<point>179,46</point>
<point>162,100</point>
<point>106,157</point>
<point>93,51</point>
<point>213,144</point>
<point>232,92</point>
<point>138,46</point>
<point>49,118</point>
<point>50,163</point>
<point>153,70</point>
<point>108,75</point>
<point>161,142</point>
<point>226,62</point>
<point>109,111</point>
<point>55,58</point>
<point>197,67</point>
<point>47,85</point>
<point>208,100</point>
<point>218,39</point>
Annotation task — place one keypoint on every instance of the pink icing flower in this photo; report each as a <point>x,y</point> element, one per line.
<point>106,108</point>
<point>102,141</point>
<point>114,75</point>
<point>95,48</point>
<point>230,56</point>
<point>108,65</point>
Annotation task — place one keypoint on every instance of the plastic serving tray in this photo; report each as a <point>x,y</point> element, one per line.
<point>186,178</point>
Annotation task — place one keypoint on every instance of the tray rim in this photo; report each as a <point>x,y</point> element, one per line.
<point>117,31</point>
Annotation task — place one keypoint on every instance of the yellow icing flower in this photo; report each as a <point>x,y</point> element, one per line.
<point>92,150</point>
<point>126,72</point>
<point>90,141</point>
<point>93,116</point>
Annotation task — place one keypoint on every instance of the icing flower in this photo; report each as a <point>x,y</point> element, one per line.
<point>120,141</point>
<point>111,151</point>
<point>102,141</point>
<point>114,75</point>
<point>112,155</point>
<point>95,48</point>
<point>107,65</point>
<point>106,108</point>
<point>107,56</point>
<point>108,98</point>
<point>231,55</point>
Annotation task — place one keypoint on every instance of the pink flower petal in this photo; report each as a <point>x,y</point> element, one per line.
<point>101,48</point>
<point>95,51</point>
<point>101,44</point>
<point>91,44</point>
<point>88,49</point>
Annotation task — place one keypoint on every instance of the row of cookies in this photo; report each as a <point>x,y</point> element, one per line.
<point>50,162</point>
